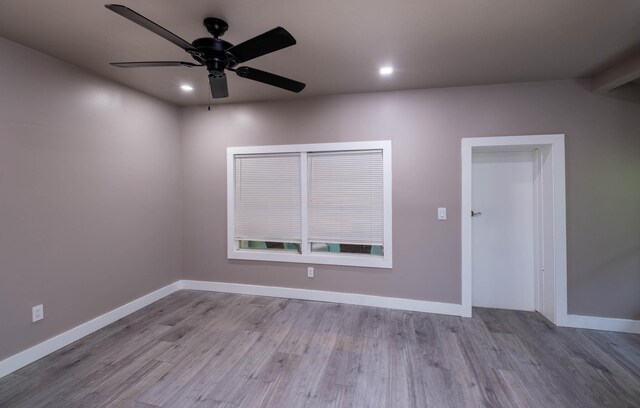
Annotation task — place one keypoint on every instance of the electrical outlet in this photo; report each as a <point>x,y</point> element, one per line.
<point>310,272</point>
<point>37,313</point>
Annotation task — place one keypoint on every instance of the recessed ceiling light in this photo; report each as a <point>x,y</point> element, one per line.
<point>387,70</point>
<point>186,88</point>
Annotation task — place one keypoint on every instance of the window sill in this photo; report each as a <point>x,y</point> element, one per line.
<point>365,261</point>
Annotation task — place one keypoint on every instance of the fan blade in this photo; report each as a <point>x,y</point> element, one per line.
<point>271,41</point>
<point>154,64</point>
<point>270,79</point>
<point>129,14</point>
<point>218,86</point>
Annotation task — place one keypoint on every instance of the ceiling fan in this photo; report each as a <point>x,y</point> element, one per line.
<point>218,55</point>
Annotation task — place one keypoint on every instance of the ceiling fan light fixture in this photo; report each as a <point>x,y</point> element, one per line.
<point>386,70</point>
<point>186,88</point>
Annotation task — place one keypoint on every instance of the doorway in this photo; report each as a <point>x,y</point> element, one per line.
<point>513,224</point>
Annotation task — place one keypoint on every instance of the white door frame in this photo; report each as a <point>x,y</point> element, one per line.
<point>556,145</point>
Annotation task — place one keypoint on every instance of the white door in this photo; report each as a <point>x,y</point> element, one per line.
<point>503,234</point>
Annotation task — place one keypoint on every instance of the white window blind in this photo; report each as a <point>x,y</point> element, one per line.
<point>268,198</point>
<point>345,197</point>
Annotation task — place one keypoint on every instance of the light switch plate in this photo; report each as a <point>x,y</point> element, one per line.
<point>442,214</point>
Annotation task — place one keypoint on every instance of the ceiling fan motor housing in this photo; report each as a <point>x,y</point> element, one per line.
<point>212,52</point>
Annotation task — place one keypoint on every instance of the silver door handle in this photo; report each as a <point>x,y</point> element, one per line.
<point>473,213</point>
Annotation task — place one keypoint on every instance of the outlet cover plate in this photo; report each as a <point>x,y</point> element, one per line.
<point>37,313</point>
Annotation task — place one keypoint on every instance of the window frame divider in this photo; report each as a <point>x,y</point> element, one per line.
<point>304,216</point>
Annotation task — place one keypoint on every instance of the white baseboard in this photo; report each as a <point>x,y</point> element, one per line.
<point>326,296</point>
<point>17,361</point>
<point>604,323</point>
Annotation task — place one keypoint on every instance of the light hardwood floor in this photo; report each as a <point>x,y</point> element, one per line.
<point>201,349</point>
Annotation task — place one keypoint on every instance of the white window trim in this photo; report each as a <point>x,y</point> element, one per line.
<point>386,261</point>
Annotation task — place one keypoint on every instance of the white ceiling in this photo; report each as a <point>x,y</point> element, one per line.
<point>341,43</point>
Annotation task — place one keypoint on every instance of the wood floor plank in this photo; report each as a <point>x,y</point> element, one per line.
<point>337,385</point>
<point>552,348</point>
<point>374,319</point>
<point>439,388</point>
<point>429,337</point>
<point>608,369</point>
<point>191,376</point>
<point>373,380</point>
<point>538,381</point>
<point>15,387</point>
<point>230,388</point>
<point>220,372</point>
<point>518,392</point>
<point>302,329</point>
<point>136,404</point>
<point>216,350</point>
<point>272,382</point>
<point>303,390</point>
<point>123,392</point>
<point>621,347</point>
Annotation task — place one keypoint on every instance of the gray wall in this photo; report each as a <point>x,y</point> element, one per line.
<point>89,197</point>
<point>603,184</point>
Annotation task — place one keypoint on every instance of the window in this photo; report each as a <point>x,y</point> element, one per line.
<point>317,203</point>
